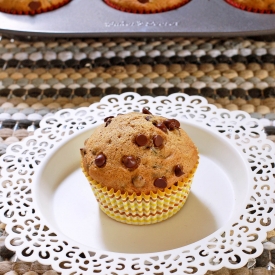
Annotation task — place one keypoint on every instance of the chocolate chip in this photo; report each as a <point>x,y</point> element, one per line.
<point>143,1</point>
<point>130,162</point>
<point>160,182</point>
<point>107,118</point>
<point>172,124</point>
<point>138,181</point>
<point>34,5</point>
<point>158,140</point>
<point>146,111</point>
<point>178,170</point>
<point>177,123</point>
<point>100,160</point>
<point>82,152</point>
<point>161,126</point>
<point>141,140</point>
<point>108,122</point>
<point>148,118</point>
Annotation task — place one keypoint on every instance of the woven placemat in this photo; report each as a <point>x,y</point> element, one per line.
<point>40,77</point>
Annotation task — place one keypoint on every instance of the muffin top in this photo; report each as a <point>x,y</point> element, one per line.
<point>257,5</point>
<point>30,6</point>
<point>139,153</point>
<point>146,6</point>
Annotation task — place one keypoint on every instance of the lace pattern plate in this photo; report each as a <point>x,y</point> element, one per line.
<point>231,246</point>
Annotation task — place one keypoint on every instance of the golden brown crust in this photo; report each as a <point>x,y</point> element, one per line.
<point>146,6</point>
<point>118,140</point>
<point>254,5</point>
<point>30,7</point>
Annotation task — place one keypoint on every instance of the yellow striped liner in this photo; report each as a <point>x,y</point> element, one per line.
<point>142,209</point>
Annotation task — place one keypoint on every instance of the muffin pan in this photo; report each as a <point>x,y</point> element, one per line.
<point>82,18</point>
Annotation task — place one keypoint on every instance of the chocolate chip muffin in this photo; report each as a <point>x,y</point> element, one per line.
<point>30,7</point>
<point>145,6</point>
<point>259,6</point>
<point>139,155</point>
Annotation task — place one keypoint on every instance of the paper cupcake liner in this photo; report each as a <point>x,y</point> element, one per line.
<point>28,12</point>
<point>142,209</point>
<point>247,8</point>
<point>144,10</point>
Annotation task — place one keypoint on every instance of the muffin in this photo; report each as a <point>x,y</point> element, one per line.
<point>30,7</point>
<point>145,6</point>
<point>140,167</point>
<point>260,6</point>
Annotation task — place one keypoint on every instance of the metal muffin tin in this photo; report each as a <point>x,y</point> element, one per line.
<point>93,18</point>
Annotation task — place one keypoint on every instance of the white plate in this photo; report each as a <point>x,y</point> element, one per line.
<point>52,216</point>
<point>220,186</point>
